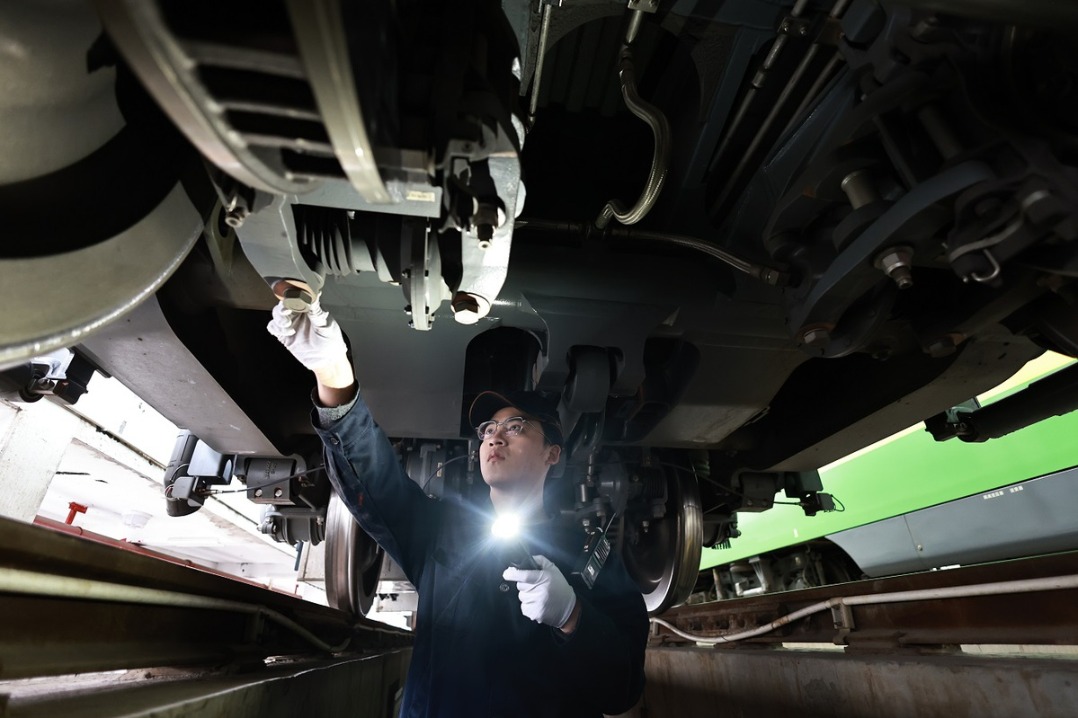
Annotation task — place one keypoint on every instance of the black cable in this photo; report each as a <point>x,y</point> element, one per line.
<point>175,474</point>
<point>430,478</point>
<point>727,489</point>
<point>711,481</point>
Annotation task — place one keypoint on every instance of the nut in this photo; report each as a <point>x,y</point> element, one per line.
<point>816,336</point>
<point>941,347</point>
<point>469,308</point>
<point>294,294</point>
<point>896,263</point>
<point>296,299</point>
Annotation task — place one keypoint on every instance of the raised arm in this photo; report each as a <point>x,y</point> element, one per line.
<point>362,465</point>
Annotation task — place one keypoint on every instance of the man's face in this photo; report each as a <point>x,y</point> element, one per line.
<point>518,463</point>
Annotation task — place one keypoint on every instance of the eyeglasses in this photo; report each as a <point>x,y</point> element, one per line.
<point>511,426</point>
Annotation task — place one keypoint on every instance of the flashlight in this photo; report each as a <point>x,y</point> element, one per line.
<point>506,529</point>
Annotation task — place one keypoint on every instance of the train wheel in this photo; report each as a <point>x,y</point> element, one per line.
<point>664,560</point>
<point>353,561</point>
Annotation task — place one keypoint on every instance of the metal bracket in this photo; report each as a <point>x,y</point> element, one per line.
<point>795,26</point>
<point>649,6</point>
<point>842,616</point>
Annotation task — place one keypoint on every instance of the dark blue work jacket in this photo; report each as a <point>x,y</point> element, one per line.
<point>475,654</point>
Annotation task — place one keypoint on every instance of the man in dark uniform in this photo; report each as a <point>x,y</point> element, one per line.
<point>490,639</point>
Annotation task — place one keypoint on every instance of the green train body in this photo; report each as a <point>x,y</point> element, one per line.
<point>902,475</point>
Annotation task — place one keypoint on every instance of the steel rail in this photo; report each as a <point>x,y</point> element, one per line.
<point>16,581</point>
<point>85,606</point>
<point>968,605</point>
<point>998,588</point>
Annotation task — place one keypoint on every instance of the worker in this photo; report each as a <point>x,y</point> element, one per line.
<point>490,639</point>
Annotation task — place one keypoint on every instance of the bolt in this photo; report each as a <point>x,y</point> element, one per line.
<point>816,336</point>
<point>258,492</point>
<point>278,493</point>
<point>488,217</point>
<point>802,30</point>
<point>941,347</point>
<point>234,217</point>
<point>296,299</point>
<point>469,308</point>
<point>903,278</point>
<point>895,263</point>
<point>236,211</point>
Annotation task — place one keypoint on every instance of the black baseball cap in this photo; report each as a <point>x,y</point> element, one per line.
<point>531,403</point>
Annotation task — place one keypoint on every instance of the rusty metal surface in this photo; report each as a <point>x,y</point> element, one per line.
<point>46,635</point>
<point>368,686</point>
<point>762,683</point>
<point>1047,617</point>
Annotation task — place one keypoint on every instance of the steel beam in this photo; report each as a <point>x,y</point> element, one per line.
<point>762,683</point>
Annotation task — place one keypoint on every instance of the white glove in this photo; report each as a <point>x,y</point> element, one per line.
<point>545,596</point>
<point>313,337</point>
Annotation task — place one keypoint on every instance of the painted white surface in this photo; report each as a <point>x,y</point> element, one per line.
<point>108,453</point>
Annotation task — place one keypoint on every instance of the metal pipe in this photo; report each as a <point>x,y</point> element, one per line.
<point>44,584</point>
<point>766,274</point>
<point>776,47</point>
<point>824,77</point>
<point>998,588</point>
<point>660,158</point>
<point>940,132</point>
<point>539,58</point>
<point>757,82</point>
<point>837,9</point>
<point>636,19</point>
<point>746,156</point>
